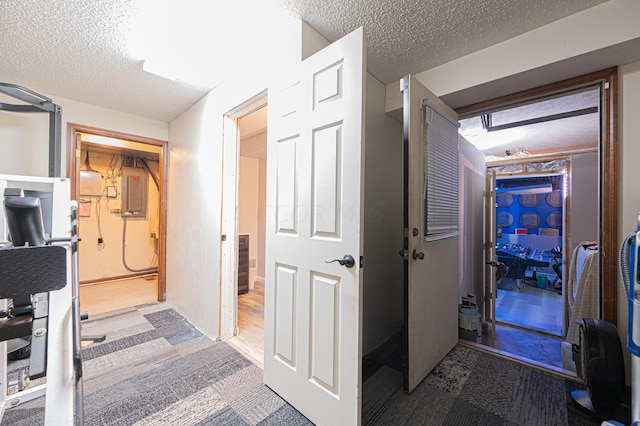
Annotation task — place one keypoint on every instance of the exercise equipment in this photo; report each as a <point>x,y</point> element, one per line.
<point>43,272</point>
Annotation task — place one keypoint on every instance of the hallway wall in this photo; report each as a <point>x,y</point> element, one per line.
<point>196,151</point>
<point>24,138</point>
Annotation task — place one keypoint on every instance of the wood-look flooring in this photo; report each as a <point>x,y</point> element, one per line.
<point>250,332</point>
<point>110,296</point>
<point>531,307</point>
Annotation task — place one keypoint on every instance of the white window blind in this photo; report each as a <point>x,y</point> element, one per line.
<point>440,146</point>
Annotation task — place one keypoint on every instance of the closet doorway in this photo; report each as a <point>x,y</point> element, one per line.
<point>243,224</point>
<point>119,182</point>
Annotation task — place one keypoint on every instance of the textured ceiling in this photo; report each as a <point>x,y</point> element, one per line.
<point>78,49</point>
<point>410,36</point>
<point>564,134</point>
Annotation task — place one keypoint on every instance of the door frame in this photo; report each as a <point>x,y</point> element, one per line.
<point>229,214</point>
<point>490,295</point>
<point>73,173</point>
<point>607,79</point>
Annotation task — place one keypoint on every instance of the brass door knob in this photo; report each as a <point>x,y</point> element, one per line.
<point>417,255</point>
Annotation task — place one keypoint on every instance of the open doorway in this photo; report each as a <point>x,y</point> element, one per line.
<point>118,184</point>
<point>243,217</point>
<point>561,130</point>
<point>530,229</point>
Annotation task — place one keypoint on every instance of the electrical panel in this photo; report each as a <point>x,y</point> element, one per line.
<point>135,188</point>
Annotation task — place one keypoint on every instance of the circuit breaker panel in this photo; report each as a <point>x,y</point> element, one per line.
<point>135,187</point>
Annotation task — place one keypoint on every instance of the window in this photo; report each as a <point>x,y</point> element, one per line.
<point>440,147</point>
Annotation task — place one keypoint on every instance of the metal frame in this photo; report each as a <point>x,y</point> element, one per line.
<point>63,388</point>
<point>38,103</point>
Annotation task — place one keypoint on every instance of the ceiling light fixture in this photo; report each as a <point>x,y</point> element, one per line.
<point>484,140</point>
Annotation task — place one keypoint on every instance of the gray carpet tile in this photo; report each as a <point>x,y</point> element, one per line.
<point>157,369</point>
<point>165,383</point>
<point>226,416</point>
<point>257,405</point>
<point>286,415</point>
<point>239,384</point>
<point>24,416</point>
<point>451,374</point>
<point>538,398</point>
<point>111,346</point>
<point>426,405</point>
<point>148,308</point>
<point>183,335</point>
<point>463,413</point>
<point>133,357</point>
<point>491,384</point>
<point>165,318</point>
<point>379,393</point>
<point>192,409</point>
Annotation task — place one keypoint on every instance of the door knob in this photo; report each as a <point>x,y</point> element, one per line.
<point>417,255</point>
<point>347,261</point>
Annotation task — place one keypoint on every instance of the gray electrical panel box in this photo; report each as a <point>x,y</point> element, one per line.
<point>135,188</point>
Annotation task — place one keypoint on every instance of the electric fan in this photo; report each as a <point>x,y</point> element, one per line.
<point>600,364</point>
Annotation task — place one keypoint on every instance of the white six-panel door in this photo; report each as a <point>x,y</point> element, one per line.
<point>313,309</point>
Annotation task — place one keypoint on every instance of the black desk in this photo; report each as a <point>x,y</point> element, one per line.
<point>519,261</point>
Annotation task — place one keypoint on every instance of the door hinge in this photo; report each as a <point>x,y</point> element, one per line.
<point>77,153</point>
<point>403,85</point>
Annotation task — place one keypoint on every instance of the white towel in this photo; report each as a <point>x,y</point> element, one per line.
<point>581,293</point>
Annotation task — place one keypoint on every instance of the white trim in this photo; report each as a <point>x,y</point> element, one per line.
<point>229,214</point>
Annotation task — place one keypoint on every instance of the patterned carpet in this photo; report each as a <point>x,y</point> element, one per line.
<point>157,369</point>
<point>468,387</point>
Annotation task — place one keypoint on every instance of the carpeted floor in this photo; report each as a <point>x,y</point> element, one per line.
<point>157,369</point>
<point>468,387</point>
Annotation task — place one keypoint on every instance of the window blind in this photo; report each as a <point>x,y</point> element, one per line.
<point>440,146</point>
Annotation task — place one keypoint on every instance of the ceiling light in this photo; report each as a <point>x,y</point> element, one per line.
<point>484,140</point>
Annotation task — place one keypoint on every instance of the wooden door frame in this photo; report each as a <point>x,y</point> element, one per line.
<point>607,79</point>
<point>228,308</point>
<point>73,171</point>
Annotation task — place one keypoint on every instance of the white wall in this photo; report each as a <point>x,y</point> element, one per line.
<point>195,182</point>
<point>262,217</point>
<point>472,171</point>
<point>629,173</point>
<point>382,288</point>
<point>24,138</point>
<point>248,197</point>
<point>254,148</point>
<point>584,201</point>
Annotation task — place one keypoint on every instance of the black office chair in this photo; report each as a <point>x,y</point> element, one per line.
<point>557,268</point>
